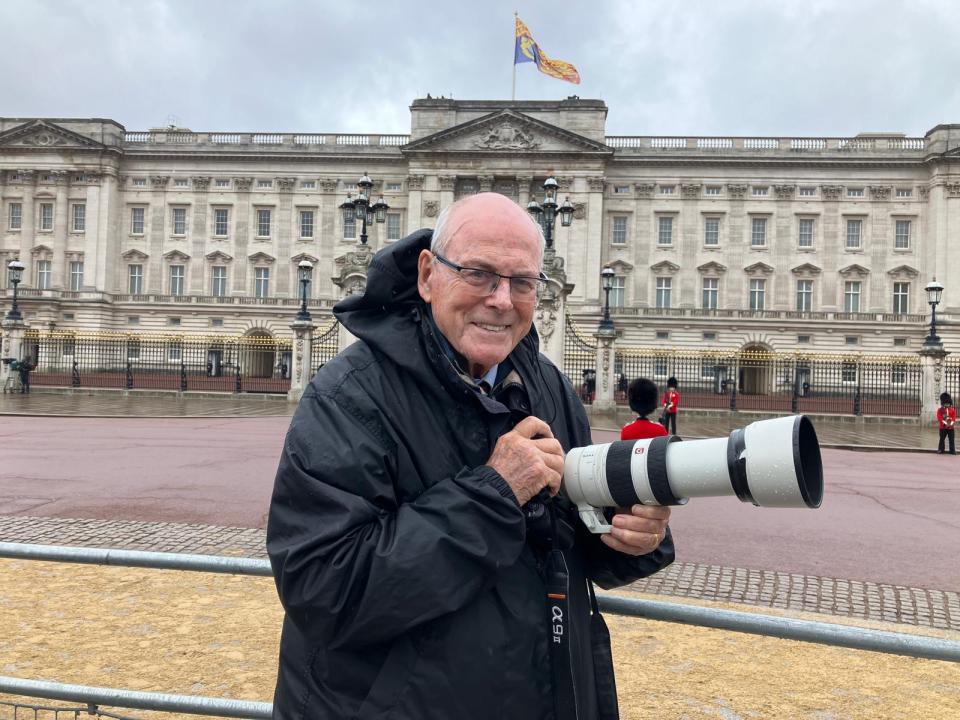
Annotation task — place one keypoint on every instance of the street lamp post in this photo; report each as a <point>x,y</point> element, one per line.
<point>546,212</point>
<point>934,292</point>
<point>304,271</point>
<point>606,324</point>
<point>15,274</point>
<point>363,209</point>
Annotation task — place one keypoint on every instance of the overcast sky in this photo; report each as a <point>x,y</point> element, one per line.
<point>705,67</point>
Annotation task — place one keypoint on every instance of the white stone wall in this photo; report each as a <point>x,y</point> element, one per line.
<point>468,146</point>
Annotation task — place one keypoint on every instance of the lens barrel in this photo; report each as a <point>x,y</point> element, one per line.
<point>770,463</point>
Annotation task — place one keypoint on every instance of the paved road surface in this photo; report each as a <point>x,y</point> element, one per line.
<point>887,517</point>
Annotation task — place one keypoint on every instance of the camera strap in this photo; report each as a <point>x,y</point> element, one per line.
<point>558,609</point>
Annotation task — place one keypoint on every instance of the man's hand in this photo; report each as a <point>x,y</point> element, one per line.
<point>529,458</point>
<point>638,530</point>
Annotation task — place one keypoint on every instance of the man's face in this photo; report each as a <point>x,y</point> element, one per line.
<point>488,232</point>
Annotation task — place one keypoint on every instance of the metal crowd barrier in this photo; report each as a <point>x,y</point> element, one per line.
<point>920,646</point>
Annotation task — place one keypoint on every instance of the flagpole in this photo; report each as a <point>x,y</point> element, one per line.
<point>513,92</point>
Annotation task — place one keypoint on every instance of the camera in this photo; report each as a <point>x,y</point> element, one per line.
<point>770,463</point>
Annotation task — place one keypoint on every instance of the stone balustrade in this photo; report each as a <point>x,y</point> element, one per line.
<point>892,144</point>
<point>208,140</point>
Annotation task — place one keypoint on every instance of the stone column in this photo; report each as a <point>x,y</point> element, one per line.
<point>931,382</point>
<point>447,184</point>
<point>156,232</point>
<point>351,278</point>
<point>550,317</point>
<point>28,233</point>
<point>286,226</point>
<point>523,190</point>
<point>593,260</point>
<point>198,235</point>
<point>13,332</point>
<point>241,237</point>
<point>414,202</point>
<point>302,350</point>
<point>604,401</point>
<point>62,224</point>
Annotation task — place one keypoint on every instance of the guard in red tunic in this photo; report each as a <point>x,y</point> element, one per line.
<point>947,419</point>
<point>671,401</point>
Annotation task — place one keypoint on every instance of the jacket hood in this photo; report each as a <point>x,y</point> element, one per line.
<point>381,315</point>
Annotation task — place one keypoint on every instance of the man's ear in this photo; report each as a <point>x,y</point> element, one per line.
<point>424,270</point>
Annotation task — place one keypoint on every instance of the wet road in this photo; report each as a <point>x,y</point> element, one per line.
<point>886,517</point>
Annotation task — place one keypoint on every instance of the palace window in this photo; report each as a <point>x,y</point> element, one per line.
<point>350,227</point>
<point>618,292</point>
<point>664,292</point>
<point>665,231</point>
<point>43,274</point>
<point>177,274</point>
<point>139,182</point>
<point>854,228</point>
<point>808,191</point>
<point>394,187</point>
<point>666,189</point>
<point>14,216</point>
<point>758,232</point>
<point>804,295</point>
<point>306,224</point>
<point>711,231</point>
<point>222,183</point>
<point>805,232</point>
<point>221,222</point>
<point>901,239</point>
<point>179,221</point>
<point>758,291</point>
<point>79,217</point>
<point>393,226</point>
<point>137,220</point>
<point>135,279</point>
<point>46,216</point>
<point>711,190</point>
<point>263,223</point>
<point>308,185</point>
<point>618,230</point>
<point>758,191</point>
<point>901,297</point>
<point>711,293</point>
<point>261,282</point>
<point>851,296</point>
<point>218,281</point>
<point>904,192</point>
<point>76,275</point>
<point>855,192</point>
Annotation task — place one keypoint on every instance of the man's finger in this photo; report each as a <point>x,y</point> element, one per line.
<point>652,512</point>
<point>531,427</point>
<point>551,446</point>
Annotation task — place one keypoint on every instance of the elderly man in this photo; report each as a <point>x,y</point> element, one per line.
<point>412,532</point>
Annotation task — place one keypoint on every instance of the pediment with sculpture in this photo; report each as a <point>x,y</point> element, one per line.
<point>43,134</point>
<point>505,131</point>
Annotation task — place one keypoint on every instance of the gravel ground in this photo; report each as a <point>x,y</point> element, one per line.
<point>202,634</point>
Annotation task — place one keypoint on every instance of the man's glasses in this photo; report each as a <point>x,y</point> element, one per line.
<point>485,282</point>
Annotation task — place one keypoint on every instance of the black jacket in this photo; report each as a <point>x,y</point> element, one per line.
<point>411,588</point>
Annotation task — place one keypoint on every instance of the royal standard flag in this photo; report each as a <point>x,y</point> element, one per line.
<point>527,50</point>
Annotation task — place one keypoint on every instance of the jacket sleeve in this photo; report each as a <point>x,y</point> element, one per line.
<point>352,565</point>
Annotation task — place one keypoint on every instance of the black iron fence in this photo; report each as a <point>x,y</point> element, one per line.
<point>326,344</point>
<point>951,377</point>
<point>252,363</point>
<point>579,361</point>
<point>780,383</point>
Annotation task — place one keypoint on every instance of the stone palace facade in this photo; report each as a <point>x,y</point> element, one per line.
<point>818,244</point>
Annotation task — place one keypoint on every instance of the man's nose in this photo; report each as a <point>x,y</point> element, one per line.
<point>500,298</point>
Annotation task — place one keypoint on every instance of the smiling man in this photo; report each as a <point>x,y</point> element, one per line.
<point>417,515</point>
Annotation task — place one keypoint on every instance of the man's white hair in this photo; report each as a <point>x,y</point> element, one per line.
<point>441,235</point>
